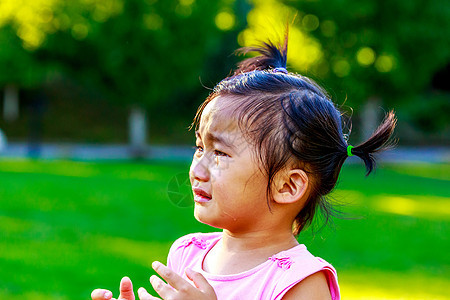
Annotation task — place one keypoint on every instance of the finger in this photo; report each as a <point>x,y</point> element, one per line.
<point>126,289</point>
<point>172,278</point>
<point>199,280</point>
<point>101,294</point>
<point>144,295</point>
<point>162,288</point>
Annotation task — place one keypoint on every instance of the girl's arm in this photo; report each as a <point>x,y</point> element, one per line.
<point>313,287</point>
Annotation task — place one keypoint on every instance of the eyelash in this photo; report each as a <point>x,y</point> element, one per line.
<point>216,152</point>
<point>220,153</point>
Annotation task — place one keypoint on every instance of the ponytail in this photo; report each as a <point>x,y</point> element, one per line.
<point>379,141</point>
<point>271,57</point>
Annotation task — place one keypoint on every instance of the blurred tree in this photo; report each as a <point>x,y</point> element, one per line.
<point>152,51</point>
<point>378,51</point>
<point>21,32</point>
<point>25,26</point>
<point>367,52</point>
<point>136,52</point>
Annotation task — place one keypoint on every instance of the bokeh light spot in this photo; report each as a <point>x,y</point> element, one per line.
<point>365,56</point>
<point>100,15</point>
<point>266,21</point>
<point>80,31</point>
<point>225,20</point>
<point>384,63</point>
<point>183,10</point>
<point>46,15</point>
<point>153,21</point>
<point>310,22</point>
<point>341,68</point>
<point>63,22</point>
<point>328,28</point>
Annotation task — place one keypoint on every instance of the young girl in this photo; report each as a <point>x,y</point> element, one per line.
<point>270,146</point>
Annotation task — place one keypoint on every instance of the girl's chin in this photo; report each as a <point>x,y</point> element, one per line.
<point>205,217</point>
<point>200,215</point>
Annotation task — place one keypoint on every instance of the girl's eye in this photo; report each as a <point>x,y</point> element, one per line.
<point>219,153</point>
<point>198,148</point>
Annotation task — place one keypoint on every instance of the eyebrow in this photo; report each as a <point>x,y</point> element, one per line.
<point>216,139</point>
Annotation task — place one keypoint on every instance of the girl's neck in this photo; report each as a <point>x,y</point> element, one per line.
<point>236,253</point>
<point>257,241</point>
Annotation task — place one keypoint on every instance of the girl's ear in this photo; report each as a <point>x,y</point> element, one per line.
<point>290,187</point>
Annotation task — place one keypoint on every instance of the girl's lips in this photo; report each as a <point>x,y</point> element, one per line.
<point>200,195</point>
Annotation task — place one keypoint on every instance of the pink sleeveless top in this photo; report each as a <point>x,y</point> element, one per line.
<point>269,280</point>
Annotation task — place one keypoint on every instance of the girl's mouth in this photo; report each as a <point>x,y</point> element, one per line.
<point>200,196</point>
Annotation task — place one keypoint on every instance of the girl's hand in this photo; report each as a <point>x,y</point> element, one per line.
<point>176,287</point>
<point>126,292</point>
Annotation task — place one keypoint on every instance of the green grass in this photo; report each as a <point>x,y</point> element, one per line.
<point>69,227</point>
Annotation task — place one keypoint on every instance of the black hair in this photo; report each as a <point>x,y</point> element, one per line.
<point>291,119</point>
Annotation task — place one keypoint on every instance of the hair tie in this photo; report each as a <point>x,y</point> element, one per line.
<point>280,69</point>
<point>349,150</point>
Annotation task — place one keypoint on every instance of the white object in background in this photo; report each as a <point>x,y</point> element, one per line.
<point>2,141</point>
<point>137,128</point>
<point>11,103</point>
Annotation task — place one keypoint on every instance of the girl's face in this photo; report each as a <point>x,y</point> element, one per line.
<point>228,185</point>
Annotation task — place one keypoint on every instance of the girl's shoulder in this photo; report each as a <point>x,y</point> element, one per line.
<point>299,256</point>
<point>297,264</point>
<point>190,249</point>
<point>199,239</point>
<point>194,243</point>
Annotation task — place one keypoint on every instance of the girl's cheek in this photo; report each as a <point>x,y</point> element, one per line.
<point>220,170</point>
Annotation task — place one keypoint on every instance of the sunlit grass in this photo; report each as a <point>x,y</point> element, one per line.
<point>391,285</point>
<point>418,206</point>
<point>68,227</point>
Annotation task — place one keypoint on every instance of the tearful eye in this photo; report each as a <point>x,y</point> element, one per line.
<point>219,153</point>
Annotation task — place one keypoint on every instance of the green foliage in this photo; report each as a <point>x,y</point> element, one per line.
<point>69,227</point>
<point>429,112</point>
<point>16,64</point>
<point>146,52</point>
<point>134,51</point>
<point>389,49</point>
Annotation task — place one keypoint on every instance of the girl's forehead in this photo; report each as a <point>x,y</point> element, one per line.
<point>218,116</point>
<point>219,123</point>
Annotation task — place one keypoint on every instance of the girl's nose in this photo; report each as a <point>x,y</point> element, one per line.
<point>199,170</point>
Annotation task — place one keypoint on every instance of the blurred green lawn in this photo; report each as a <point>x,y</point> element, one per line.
<point>69,227</point>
